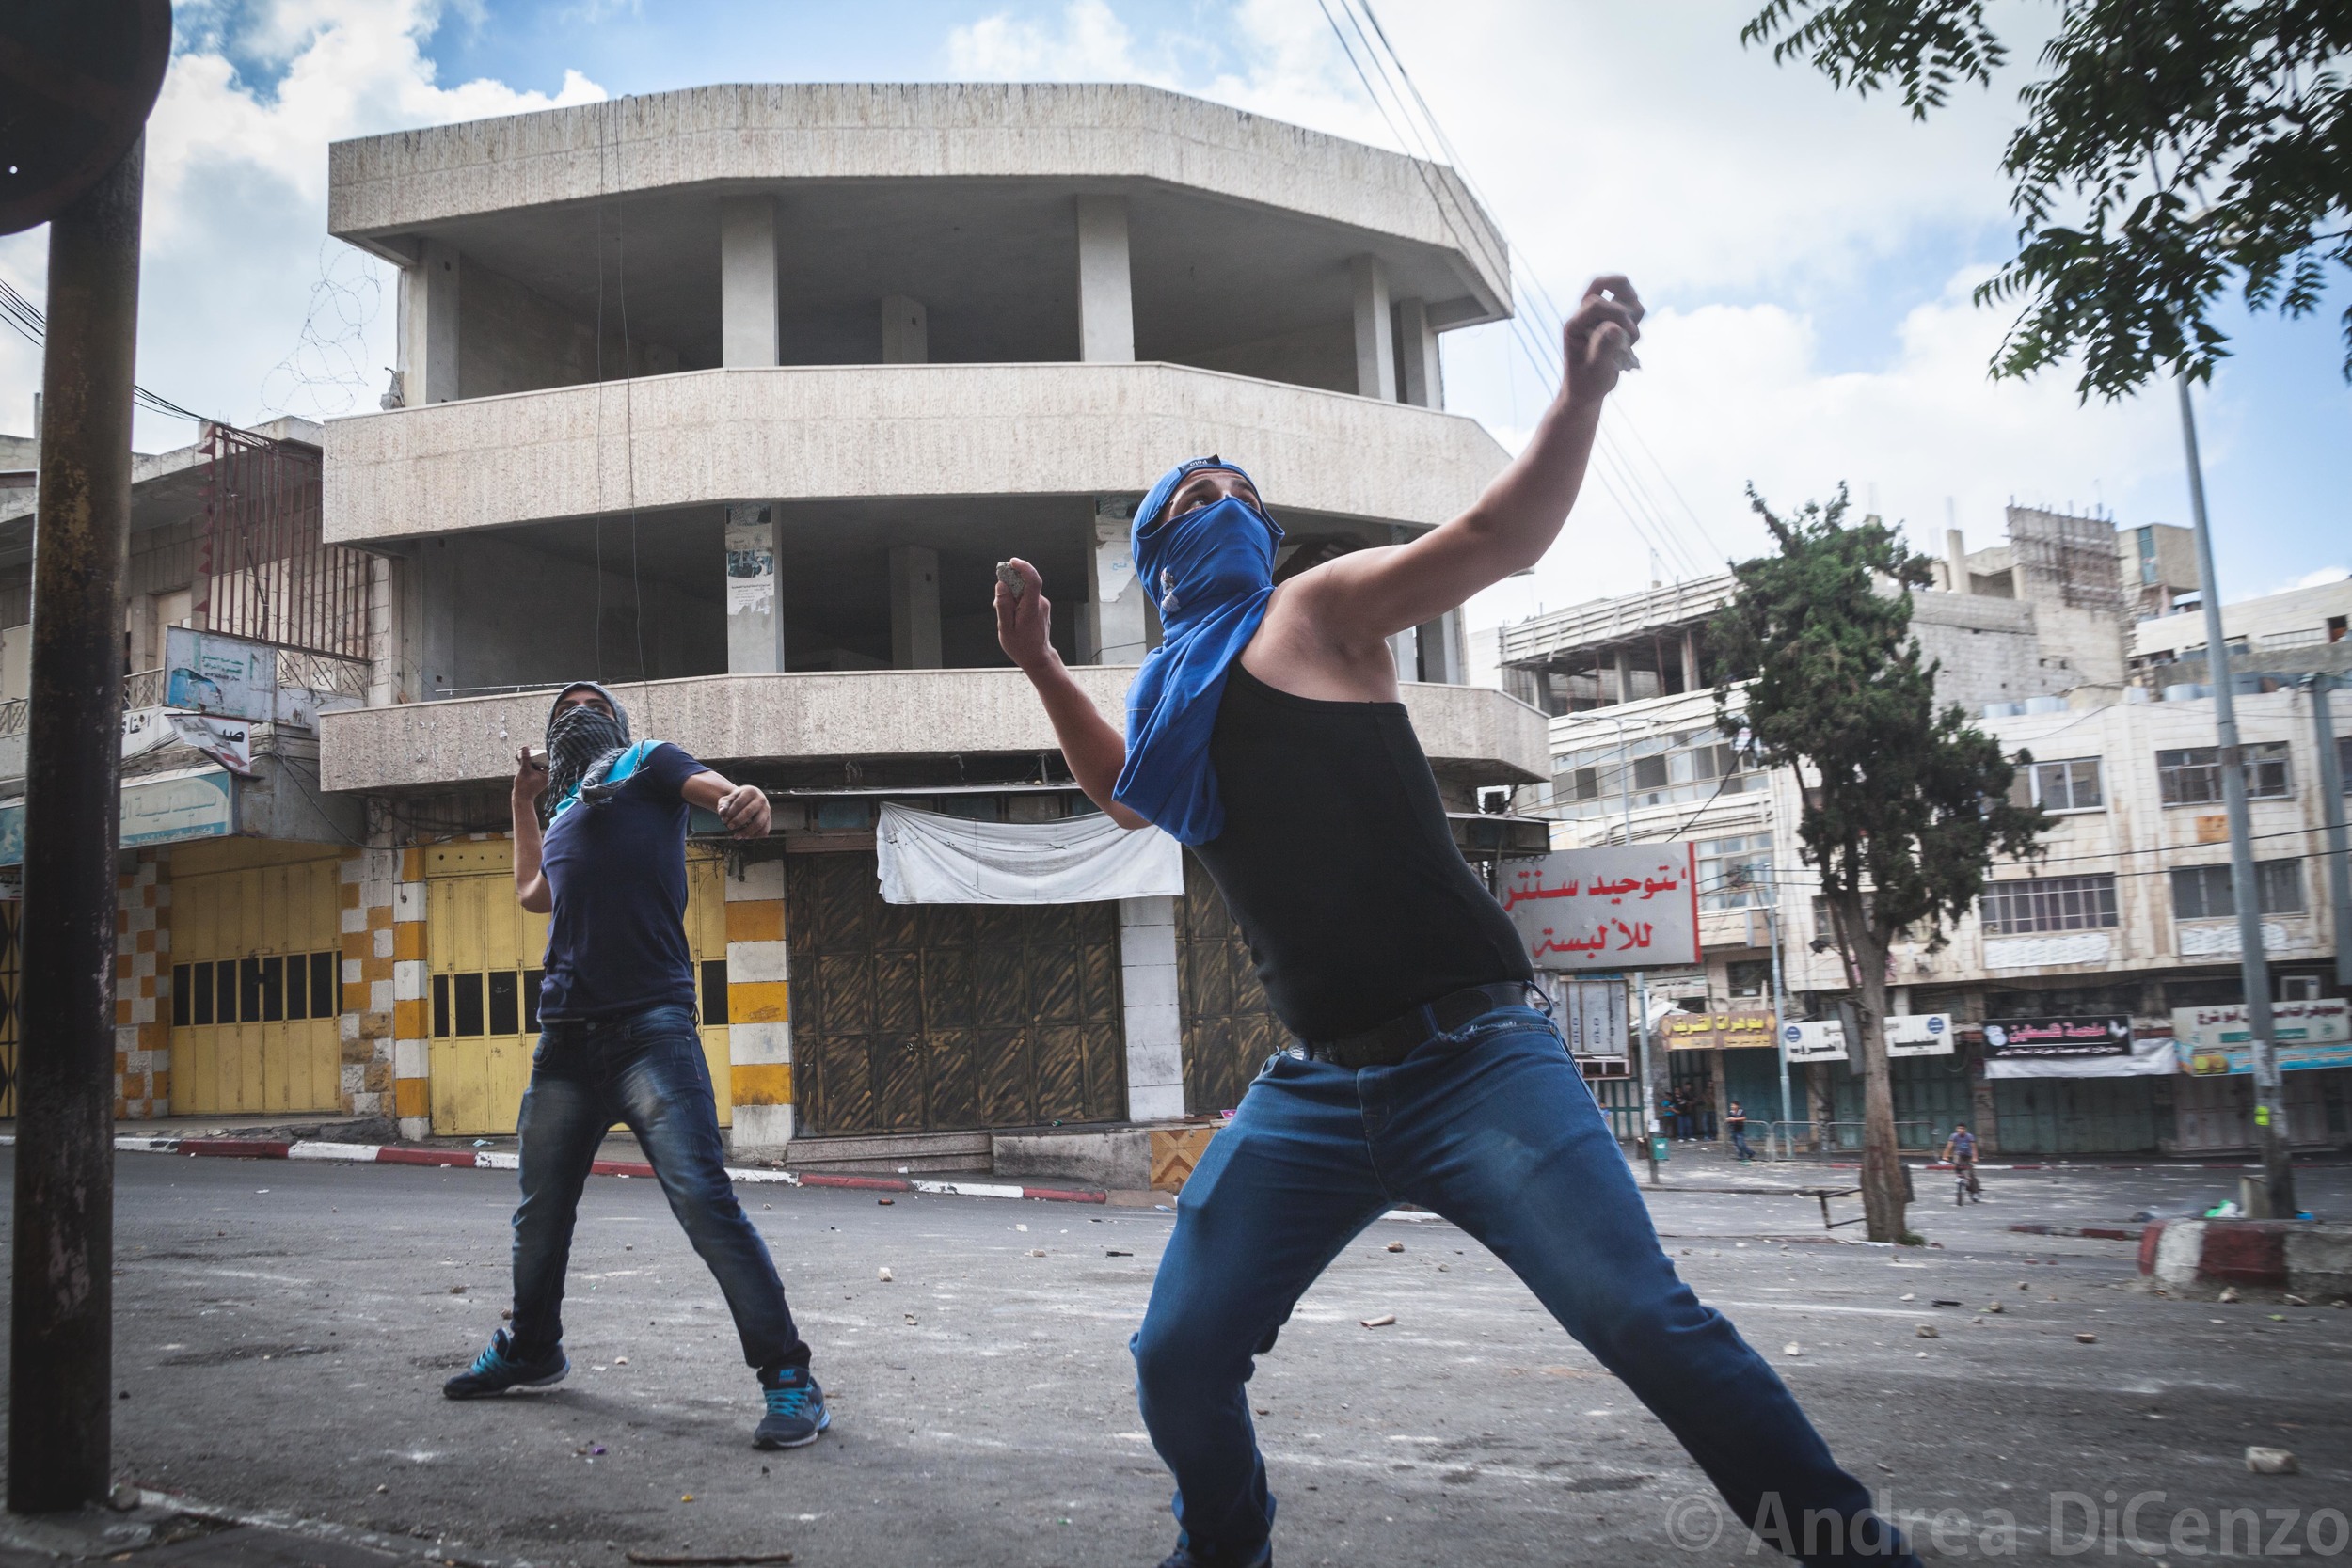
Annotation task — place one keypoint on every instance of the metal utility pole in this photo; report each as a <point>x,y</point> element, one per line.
<point>62,1350</point>
<point>2322,689</point>
<point>1640,980</point>
<point>1780,1002</point>
<point>2270,1122</point>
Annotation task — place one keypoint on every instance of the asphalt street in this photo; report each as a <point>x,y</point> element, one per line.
<point>284,1328</point>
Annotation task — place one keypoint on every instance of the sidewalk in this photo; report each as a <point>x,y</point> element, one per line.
<point>161,1530</point>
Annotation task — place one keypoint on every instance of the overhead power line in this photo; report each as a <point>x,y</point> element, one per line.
<point>27,318</point>
<point>1406,110</point>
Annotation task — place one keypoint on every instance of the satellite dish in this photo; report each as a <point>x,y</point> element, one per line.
<point>77,78</point>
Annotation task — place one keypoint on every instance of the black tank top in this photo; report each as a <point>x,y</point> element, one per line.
<point>1337,862</point>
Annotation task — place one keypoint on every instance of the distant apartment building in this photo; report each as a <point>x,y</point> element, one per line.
<point>731,397</point>
<point>2127,914</point>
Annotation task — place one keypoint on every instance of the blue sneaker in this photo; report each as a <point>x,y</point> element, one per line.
<point>498,1369</point>
<point>796,1411</point>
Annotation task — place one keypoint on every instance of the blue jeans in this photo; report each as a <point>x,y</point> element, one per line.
<point>646,1070</point>
<point>1740,1143</point>
<point>1493,1128</point>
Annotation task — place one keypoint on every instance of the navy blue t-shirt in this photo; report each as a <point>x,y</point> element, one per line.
<point>616,938</point>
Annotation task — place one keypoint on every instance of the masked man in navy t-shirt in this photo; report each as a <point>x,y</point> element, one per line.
<point>619,1043</point>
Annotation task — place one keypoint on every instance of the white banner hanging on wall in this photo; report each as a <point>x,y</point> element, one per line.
<point>927,858</point>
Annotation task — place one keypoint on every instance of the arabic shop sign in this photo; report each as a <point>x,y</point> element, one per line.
<point>1824,1040</point>
<point>1716,1031</point>
<point>1627,907</point>
<point>2215,1042</point>
<point>2030,1039</point>
<point>163,808</point>
<point>1919,1035</point>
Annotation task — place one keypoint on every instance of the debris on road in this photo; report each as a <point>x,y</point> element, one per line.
<point>2272,1462</point>
<point>883,1276</point>
<point>885,1202</point>
<point>1396,1246</point>
<point>1037,1252</point>
<point>1929,1331</point>
<point>1994,1306</point>
<point>1943,1301</point>
<point>1383,1320</point>
<point>1115,1252</point>
<point>2228,1293</point>
<point>2086,1339</point>
<point>1792,1350</point>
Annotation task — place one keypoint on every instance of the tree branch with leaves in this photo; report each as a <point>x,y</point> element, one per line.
<point>2172,148</point>
<point>1905,806</point>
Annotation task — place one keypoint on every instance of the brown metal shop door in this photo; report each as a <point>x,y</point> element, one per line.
<point>1229,1028</point>
<point>924,1018</point>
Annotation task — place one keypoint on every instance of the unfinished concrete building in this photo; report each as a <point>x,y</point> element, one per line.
<point>731,397</point>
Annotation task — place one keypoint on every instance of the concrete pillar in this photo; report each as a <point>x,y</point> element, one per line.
<point>1375,343</point>
<point>754,619</point>
<point>760,1026</point>
<point>143,986</point>
<point>429,295</point>
<point>1439,654</point>
<point>913,608</point>
<point>1117,631</point>
<point>1153,1017</point>
<point>906,331</point>
<point>1423,383</point>
<point>748,333</point>
<point>1106,307</point>
<point>1956,558</point>
<point>1690,661</point>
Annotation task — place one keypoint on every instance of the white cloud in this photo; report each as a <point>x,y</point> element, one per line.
<point>246,309</point>
<point>1731,395</point>
<point>1090,44</point>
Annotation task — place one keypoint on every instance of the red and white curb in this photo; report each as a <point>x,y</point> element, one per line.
<point>477,1159</point>
<point>2310,1257</point>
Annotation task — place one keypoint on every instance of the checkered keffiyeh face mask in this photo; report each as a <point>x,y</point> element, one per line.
<point>582,744</point>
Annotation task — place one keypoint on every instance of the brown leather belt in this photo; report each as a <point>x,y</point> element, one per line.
<point>1386,1044</point>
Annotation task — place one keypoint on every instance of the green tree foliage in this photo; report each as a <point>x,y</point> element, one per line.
<point>2171,149</point>
<point>1905,807</point>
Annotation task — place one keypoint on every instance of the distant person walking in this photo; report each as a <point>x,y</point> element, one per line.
<point>1959,1153</point>
<point>1736,1123</point>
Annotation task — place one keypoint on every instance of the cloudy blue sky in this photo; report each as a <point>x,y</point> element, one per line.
<point>1807,257</point>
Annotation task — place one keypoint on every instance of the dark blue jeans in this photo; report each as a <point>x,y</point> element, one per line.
<point>645,1070</point>
<point>1493,1128</point>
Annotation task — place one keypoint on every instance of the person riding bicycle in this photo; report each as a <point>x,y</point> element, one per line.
<point>1959,1153</point>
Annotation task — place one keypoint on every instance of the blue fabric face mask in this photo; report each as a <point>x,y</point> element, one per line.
<point>1212,571</point>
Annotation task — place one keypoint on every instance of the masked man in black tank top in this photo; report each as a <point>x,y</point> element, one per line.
<point>1265,733</point>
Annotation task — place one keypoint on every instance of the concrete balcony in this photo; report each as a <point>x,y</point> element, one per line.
<point>465,180</point>
<point>1473,734</point>
<point>837,431</point>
